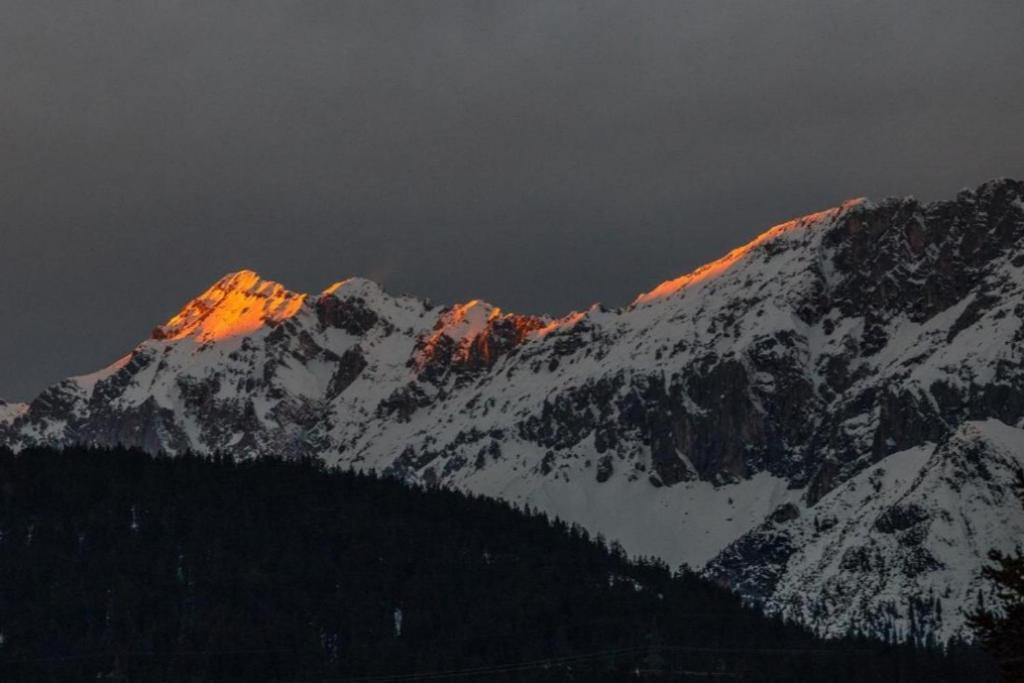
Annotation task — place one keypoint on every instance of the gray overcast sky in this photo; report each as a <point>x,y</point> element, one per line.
<point>541,155</point>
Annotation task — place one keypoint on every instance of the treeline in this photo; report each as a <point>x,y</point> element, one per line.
<point>118,565</point>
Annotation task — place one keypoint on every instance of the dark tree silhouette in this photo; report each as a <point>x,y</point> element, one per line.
<point>1000,627</point>
<point>118,565</point>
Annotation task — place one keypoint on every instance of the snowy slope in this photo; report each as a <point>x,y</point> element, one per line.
<point>739,398</point>
<point>916,524</point>
<point>9,411</point>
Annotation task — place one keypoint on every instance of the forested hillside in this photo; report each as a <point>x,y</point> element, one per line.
<point>116,563</point>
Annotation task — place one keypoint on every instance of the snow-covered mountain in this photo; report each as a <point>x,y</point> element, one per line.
<point>828,418</point>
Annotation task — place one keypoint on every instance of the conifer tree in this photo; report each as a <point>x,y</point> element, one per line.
<point>1000,628</point>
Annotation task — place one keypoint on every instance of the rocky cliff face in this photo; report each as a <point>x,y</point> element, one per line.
<point>719,420</point>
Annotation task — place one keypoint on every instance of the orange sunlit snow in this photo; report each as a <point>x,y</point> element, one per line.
<point>238,304</point>
<point>723,264</point>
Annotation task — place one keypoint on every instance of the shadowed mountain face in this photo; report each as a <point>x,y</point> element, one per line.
<point>730,419</point>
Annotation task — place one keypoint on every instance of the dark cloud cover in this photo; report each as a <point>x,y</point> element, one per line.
<point>542,155</point>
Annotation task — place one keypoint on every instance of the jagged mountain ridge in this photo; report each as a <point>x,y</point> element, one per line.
<point>693,424</point>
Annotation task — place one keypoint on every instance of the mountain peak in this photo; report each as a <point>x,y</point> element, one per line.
<point>464,321</point>
<point>239,279</point>
<point>999,184</point>
<point>715,268</point>
<point>238,303</point>
<point>350,287</point>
